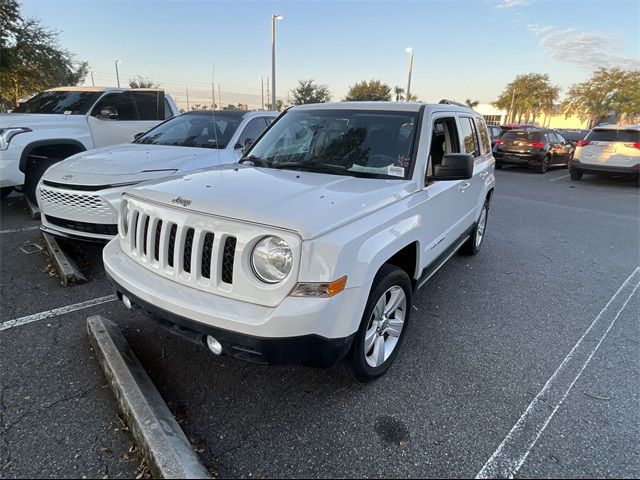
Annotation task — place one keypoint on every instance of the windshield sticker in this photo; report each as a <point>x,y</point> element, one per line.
<point>67,112</point>
<point>396,171</point>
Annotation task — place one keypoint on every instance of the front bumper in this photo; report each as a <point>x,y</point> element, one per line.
<point>303,331</point>
<point>10,174</point>
<point>603,168</point>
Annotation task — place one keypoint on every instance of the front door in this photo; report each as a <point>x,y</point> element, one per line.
<point>118,116</point>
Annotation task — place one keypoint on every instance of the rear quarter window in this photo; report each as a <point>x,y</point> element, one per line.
<point>614,136</point>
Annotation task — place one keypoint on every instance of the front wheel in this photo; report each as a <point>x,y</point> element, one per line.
<point>575,174</point>
<point>383,326</point>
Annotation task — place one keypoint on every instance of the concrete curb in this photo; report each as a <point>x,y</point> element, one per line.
<point>67,268</point>
<point>34,210</point>
<point>164,445</point>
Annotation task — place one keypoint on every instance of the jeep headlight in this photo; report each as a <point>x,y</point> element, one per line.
<point>271,259</point>
<point>6,134</point>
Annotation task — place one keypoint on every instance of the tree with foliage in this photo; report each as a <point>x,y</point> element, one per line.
<point>308,91</point>
<point>472,103</point>
<point>528,96</point>
<point>32,59</point>
<point>142,82</point>
<point>279,105</point>
<point>607,92</point>
<point>373,90</point>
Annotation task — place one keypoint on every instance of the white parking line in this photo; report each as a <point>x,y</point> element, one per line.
<point>515,448</point>
<point>25,229</point>
<point>55,312</point>
<point>558,178</point>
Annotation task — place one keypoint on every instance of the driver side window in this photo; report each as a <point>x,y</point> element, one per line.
<point>115,106</point>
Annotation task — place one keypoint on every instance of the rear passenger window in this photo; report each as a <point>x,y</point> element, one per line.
<point>468,133</point>
<point>485,141</point>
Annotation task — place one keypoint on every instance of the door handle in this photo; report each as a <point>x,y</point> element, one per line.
<point>463,187</point>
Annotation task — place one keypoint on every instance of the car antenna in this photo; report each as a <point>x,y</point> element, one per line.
<point>213,111</point>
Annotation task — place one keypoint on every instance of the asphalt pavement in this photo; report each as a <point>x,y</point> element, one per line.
<point>487,335</point>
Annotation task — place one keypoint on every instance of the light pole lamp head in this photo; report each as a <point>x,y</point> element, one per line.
<point>278,17</point>
<point>409,50</point>
<point>118,61</point>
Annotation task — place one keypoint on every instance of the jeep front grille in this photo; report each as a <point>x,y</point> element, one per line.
<point>181,250</point>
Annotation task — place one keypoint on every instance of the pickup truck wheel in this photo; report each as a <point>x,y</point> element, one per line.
<point>5,191</point>
<point>383,326</point>
<point>473,245</point>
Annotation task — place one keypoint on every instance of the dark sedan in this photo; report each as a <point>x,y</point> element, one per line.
<point>538,149</point>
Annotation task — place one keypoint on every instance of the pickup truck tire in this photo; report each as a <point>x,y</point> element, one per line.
<point>474,244</point>
<point>5,191</point>
<point>34,170</point>
<point>383,326</point>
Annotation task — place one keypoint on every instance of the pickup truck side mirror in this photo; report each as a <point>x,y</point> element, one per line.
<point>454,166</point>
<point>247,143</point>
<point>109,112</point>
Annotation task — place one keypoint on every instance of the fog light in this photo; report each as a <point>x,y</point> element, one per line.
<point>214,345</point>
<point>126,301</point>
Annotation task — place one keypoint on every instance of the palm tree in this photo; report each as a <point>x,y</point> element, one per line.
<point>472,103</point>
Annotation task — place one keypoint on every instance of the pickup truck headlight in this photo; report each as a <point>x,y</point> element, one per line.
<point>6,134</point>
<point>271,259</point>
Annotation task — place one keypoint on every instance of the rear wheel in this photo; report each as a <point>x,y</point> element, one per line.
<point>575,174</point>
<point>544,165</point>
<point>5,191</point>
<point>383,326</point>
<point>473,245</point>
<point>498,165</point>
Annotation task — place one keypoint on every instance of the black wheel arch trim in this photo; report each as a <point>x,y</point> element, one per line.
<point>42,143</point>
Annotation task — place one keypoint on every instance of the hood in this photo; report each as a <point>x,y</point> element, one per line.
<point>37,120</point>
<point>308,203</point>
<point>132,158</point>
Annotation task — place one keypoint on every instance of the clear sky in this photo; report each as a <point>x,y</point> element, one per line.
<point>463,49</point>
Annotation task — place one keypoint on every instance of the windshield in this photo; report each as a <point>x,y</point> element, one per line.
<point>71,103</point>
<point>375,144</point>
<point>194,130</point>
<point>611,135</point>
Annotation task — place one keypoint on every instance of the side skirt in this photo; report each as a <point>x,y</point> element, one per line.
<point>431,269</point>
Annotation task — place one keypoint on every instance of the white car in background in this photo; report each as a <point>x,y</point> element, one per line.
<point>613,149</point>
<point>79,197</point>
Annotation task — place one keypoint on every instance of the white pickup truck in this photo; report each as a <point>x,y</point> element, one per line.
<point>61,122</point>
<point>310,250</point>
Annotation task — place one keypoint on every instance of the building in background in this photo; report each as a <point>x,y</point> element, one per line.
<point>554,119</point>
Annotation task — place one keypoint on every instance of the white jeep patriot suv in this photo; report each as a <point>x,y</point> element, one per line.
<point>310,249</point>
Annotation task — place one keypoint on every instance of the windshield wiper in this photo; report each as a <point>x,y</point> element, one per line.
<point>313,167</point>
<point>255,160</point>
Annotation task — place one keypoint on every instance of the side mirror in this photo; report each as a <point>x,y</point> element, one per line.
<point>454,166</point>
<point>109,112</point>
<point>247,143</point>
<point>138,135</point>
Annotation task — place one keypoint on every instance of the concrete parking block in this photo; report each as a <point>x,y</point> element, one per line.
<point>67,268</point>
<point>164,445</point>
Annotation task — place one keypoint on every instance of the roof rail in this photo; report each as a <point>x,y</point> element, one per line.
<point>444,101</point>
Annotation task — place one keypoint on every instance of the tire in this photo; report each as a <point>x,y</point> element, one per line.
<point>498,165</point>
<point>474,244</point>
<point>544,165</point>
<point>363,364</point>
<point>34,170</point>
<point>5,191</point>
<point>575,174</point>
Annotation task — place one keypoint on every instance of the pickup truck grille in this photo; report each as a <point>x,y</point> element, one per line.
<point>181,249</point>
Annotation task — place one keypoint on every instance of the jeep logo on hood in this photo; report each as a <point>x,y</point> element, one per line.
<point>181,201</point>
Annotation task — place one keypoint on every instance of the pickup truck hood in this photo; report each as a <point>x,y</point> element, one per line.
<point>133,158</point>
<point>308,203</point>
<point>37,120</point>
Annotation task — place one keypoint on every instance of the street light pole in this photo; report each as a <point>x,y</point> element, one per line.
<point>219,98</point>
<point>117,73</point>
<point>213,91</point>
<point>274,18</point>
<point>268,96</point>
<point>262,91</point>
<point>93,83</point>
<point>410,52</point>
<point>187,90</point>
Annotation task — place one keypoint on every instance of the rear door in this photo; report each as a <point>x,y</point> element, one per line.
<point>118,116</point>
<point>475,141</point>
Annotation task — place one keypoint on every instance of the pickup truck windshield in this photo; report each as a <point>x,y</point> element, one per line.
<point>194,129</point>
<point>375,144</point>
<point>59,102</point>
